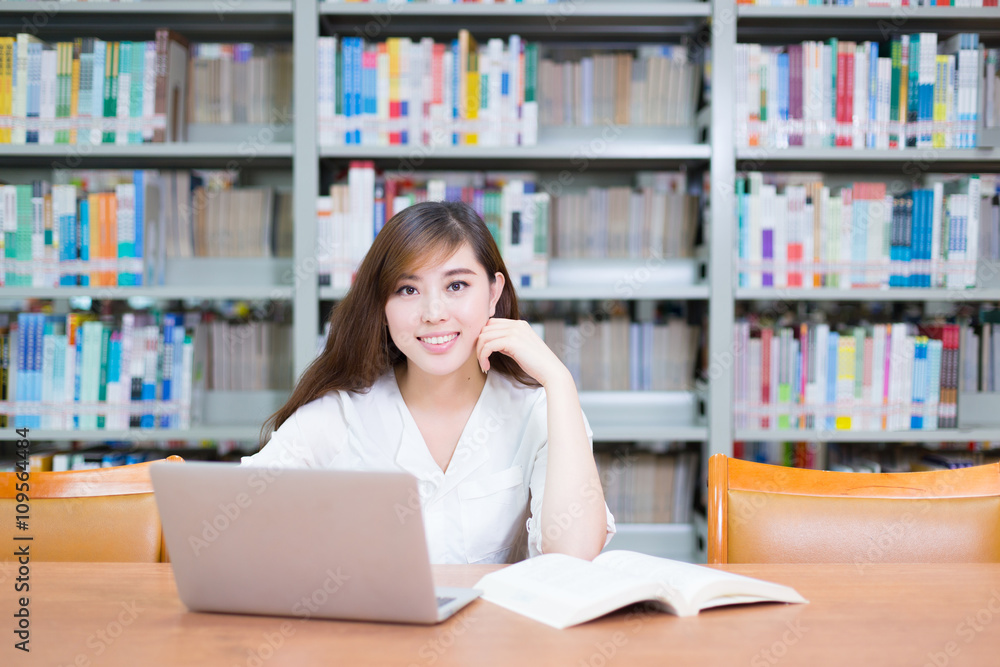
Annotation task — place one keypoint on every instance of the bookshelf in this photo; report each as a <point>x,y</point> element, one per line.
<point>614,416</point>
<point>785,25</point>
<point>263,152</point>
<point>296,156</point>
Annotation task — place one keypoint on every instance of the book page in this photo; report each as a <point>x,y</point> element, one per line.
<point>689,588</point>
<point>560,590</point>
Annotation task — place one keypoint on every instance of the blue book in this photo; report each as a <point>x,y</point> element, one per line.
<point>114,359</point>
<point>38,333</point>
<point>78,374</point>
<point>783,101</point>
<point>912,109</point>
<point>68,245</point>
<point>347,63</point>
<point>926,229</point>
<point>22,366</point>
<point>84,228</point>
<point>872,137</point>
<point>359,49</point>
<point>148,392</point>
<point>919,383</point>
<point>455,136</point>
<point>906,249</point>
<point>168,381</point>
<point>139,178</point>
<point>34,88</point>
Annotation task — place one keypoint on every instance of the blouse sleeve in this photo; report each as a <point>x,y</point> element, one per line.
<point>537,485</point>
<point>310,438</point>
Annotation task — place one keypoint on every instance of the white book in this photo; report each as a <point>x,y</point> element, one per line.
<point>124,102</point>
<point>884,101</point>
<point>49,82</point>
<point>862,128</point>
<point>148,90</point>
<point>562,591</point>
<point>972,230</point>
<point>878,378</point>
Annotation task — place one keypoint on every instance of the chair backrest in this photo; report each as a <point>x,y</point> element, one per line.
<point>100,515</point>
<point>760,513</point>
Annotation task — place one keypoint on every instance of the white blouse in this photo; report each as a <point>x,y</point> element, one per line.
<point>477,510</point>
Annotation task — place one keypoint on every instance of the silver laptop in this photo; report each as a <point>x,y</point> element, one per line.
<point>305,543</point>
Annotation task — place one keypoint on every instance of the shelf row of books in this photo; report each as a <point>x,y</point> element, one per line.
<point>91,91</point>
<point>868,3</point>
<point>874,377</point>
<point>239,83</point>
<point>865,457</point>
<point>654,85</point>
<point>143,370</point>
<point>910,93</point>
<point>795,231</point>
<point>354,212</point>
<point>647,486</point>
<point>448,2</point>
<point>119,227</point>
<point>653,217</point>
<point>75,372</point>
<point>868,457</point>
<point>90,455</point>
<point>616,354</point>
<point>424,93</point>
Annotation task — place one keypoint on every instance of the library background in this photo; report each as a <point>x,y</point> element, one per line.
<point>767,231</point>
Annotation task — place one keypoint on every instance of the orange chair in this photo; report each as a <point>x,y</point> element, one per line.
<point>760,513</point>
<point>106,514</point>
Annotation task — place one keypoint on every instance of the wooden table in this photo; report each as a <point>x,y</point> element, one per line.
<point>130,615</point>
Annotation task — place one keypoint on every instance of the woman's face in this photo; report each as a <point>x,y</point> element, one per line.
<point>436,313</point>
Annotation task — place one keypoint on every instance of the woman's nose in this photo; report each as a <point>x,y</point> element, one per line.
<point>433,309</point>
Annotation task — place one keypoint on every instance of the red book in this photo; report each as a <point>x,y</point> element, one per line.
<point>765,373</point>
<point>848,127</point>
<point>841,94</point>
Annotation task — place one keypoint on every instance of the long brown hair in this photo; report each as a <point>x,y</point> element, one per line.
<point>359,349</point>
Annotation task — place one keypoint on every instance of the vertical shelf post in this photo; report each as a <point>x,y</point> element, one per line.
<point>721,348</point>
<point>305,179</point>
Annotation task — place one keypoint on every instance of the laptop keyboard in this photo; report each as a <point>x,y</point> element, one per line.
<point>443,601</point>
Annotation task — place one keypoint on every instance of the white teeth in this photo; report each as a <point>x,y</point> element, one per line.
<point>437,340</point>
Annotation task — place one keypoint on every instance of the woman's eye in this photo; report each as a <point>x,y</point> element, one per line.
<point>458,285</point>
<point>406,290</point>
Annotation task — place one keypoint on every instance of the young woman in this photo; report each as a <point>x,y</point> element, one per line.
<point>428,369</point>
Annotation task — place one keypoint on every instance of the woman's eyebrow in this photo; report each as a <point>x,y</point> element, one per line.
<point>447,274</point>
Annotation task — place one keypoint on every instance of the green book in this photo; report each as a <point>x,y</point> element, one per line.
<point>896,53</point>
<point>102,388</point>
<point>110,90</point>
<point>530,71</point>
<point>25,228</point>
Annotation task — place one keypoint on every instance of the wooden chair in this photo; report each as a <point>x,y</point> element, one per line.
<point>106,514</point>
<point>760,513</point>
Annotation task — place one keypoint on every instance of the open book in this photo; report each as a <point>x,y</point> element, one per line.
<point>561,590</point>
